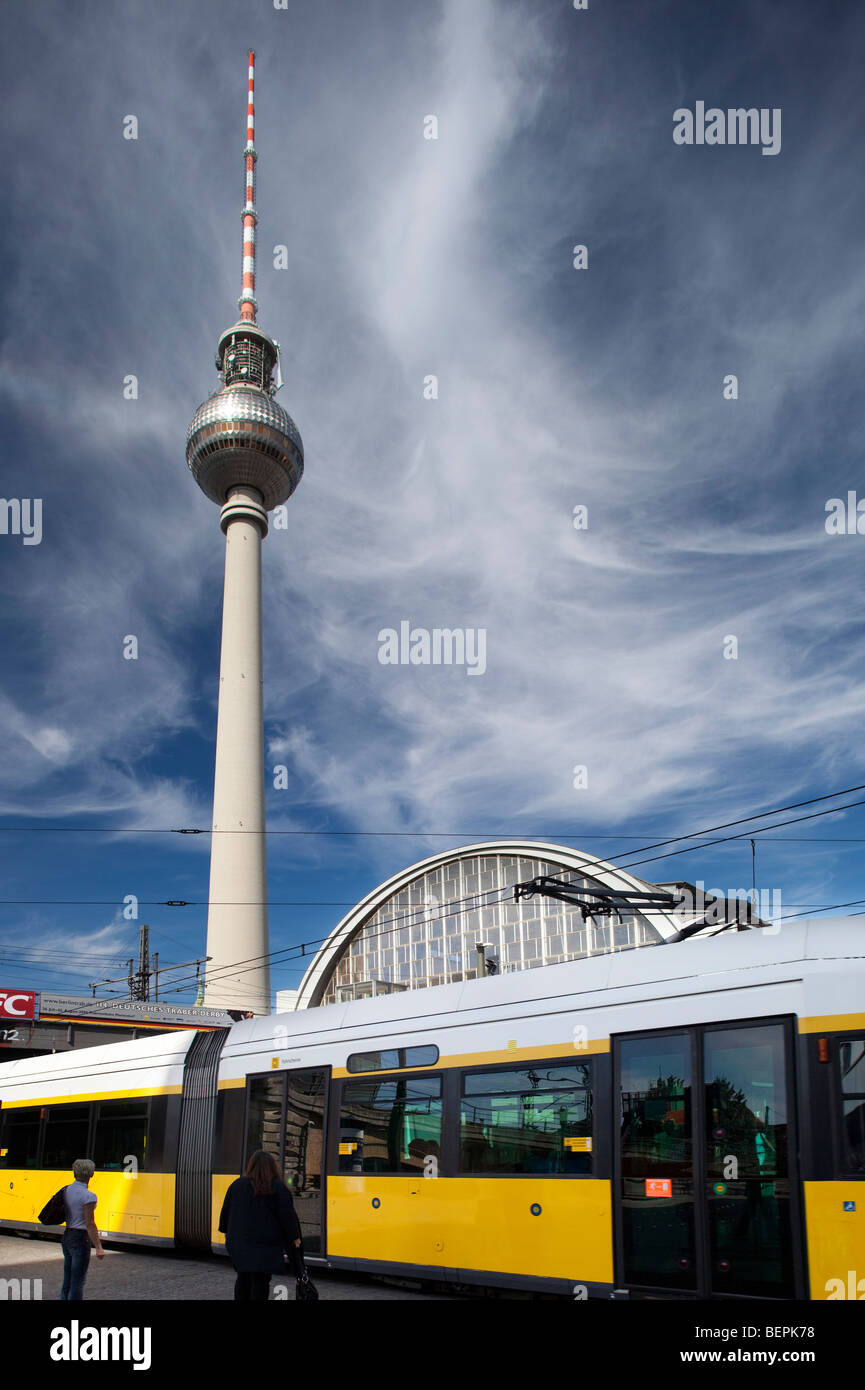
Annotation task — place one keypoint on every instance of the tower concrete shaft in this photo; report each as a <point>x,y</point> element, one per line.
<point>238,973</point>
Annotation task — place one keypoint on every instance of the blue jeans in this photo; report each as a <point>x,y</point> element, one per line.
<point>76,1258</point>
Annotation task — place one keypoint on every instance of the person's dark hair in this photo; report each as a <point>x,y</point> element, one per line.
<point>261,1170</point>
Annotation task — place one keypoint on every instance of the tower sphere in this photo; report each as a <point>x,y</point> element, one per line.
<point>241,437</point>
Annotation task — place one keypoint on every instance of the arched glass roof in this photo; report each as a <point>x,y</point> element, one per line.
<point>422,927</point>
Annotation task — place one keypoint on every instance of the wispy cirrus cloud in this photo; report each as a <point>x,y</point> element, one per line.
<point>449,257</point>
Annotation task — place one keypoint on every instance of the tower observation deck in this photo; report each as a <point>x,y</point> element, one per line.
<point>246,454</point>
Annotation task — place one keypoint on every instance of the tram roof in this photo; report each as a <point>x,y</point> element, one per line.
<point>812,940</point>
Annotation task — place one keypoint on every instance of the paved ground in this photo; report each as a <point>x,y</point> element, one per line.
<point>137,1274</point>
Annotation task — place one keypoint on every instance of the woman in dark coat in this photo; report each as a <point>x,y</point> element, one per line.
<point>260,1227</point>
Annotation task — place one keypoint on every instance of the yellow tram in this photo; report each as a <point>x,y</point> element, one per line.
<point>684,1120</point>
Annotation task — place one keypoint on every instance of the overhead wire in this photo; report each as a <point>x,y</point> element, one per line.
<point>612,861</point>
<point>253,962</point>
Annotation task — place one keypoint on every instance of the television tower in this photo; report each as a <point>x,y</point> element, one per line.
<point>246,454</point>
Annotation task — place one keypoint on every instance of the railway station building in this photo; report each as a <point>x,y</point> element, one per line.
<point>424,925</point>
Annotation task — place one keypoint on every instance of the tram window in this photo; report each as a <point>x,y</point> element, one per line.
<point>392,1058</point>
<point>19,1140</point>
<point>527,1120</point>
<point>67,1129</point>
<point>390,1126</point>
<point>655,1098</point>
<point>121,1135</point>
<point>746,1108</point>
<point>851,1060</point>
<point>264,1121</point>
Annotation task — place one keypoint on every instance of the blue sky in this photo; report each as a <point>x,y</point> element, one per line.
<point>556,388</point>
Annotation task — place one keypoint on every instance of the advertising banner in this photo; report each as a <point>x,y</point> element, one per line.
<point>62,1006</point>
<point>17,1004</point>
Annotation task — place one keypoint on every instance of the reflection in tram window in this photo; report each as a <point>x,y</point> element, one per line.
<point>264,1122</point>
<point>393,1057</point>
<point>19,1137</point>
<point>390,1126</point>
<point>746,1161</point>
<point>304,1130</point>
<point>746,1110</point>
<point>656,1107</point>
<point>121,1133</point>
<point>66,1134</point>
<point>657,1180</point>
<point>303,1161</point>
<point>851,1058</point>
<point>527,1120</point>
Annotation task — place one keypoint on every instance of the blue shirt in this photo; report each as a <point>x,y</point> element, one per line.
<point>78,1196</point>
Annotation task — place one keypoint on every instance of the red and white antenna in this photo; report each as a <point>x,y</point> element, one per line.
<point>247,301</point>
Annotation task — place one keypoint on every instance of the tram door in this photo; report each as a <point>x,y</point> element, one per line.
<point>703,1161</point>
<point>303,1152</point>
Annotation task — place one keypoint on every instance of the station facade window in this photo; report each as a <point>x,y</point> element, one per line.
<point>390,1125</point>
<point>426,932</point>
<point>516,1120</point>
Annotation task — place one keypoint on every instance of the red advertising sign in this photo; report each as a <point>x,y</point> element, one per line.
<point>18,1004</point>
<point>659,1187</point>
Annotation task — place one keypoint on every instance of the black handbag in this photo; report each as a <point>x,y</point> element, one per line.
<point>306,1291</point>
<point>54,1211</point>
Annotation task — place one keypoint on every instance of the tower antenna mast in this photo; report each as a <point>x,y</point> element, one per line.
<point>247,302</point>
